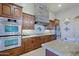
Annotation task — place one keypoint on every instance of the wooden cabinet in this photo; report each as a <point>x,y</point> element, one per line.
<point>0,9</point>
<point>17,12</point>
<point>51,24</point>
<point>27,44</point>
<point>36,42</point>
<point>10,10</point>
<point>47,38</point>
<point>31,43</point>
<point>28,21</point>
<point>6,10</point>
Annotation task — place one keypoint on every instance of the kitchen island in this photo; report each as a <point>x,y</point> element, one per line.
<point>61,48</point>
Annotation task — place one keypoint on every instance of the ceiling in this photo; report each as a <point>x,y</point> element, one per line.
<point>54,6</point>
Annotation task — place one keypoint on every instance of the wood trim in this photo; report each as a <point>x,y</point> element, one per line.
<point>28,14</point>
<point>15,5</point>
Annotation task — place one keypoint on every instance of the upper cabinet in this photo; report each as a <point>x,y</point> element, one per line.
<point>6,10</point>
<point>53,24</point>
<point>10,10</point>
<point>17,12</point>
<point>28,21</point>
<point>0,9</point>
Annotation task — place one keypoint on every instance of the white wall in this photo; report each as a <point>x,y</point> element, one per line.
<point>51,15</point>
<point>27,8</point>
<point>71,13</point>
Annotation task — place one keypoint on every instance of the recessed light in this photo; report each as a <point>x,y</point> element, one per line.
<point>67,19</point>
<point>59,5</point>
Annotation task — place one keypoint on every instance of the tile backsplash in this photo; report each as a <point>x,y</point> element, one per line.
<point>33,32</point>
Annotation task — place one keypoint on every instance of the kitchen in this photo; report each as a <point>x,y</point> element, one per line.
<point>29,27</point>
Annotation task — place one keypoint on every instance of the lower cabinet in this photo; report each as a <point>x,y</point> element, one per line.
<point>47,38</point>
<point>36,42</point>
<point>31,43</point>
<point>28,44</point>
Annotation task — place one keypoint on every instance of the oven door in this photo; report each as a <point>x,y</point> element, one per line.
<point>12,29</point>
<point>10,42</point>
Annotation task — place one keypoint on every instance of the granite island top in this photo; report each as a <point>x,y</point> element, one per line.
<point>62,48</point>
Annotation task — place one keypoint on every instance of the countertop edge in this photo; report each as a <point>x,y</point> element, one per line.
<point>53,50</point>
<point>35,35</point>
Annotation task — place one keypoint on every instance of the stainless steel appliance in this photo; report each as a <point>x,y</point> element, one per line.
<point>10,33</point>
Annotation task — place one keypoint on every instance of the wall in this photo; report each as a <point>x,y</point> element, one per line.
<point>51,15</point>
<point>70,13</point>
<point>27,8</point>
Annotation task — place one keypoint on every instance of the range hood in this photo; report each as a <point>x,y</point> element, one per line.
<point>41,13</point>
<point>42,23</point>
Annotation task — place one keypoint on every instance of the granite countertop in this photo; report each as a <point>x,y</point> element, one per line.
<point>27,36</point>
<point>62,48</point>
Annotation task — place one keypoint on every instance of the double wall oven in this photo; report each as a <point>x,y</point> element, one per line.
<point>10,33</point>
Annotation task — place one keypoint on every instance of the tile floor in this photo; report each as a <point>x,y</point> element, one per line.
<point>37,52</point>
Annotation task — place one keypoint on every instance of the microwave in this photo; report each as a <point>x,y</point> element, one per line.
<point>9,42</point>
<point>10,26</point>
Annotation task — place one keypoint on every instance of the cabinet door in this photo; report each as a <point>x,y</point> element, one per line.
<point>17,12</point>
<point>51,25</point>
<point>27,44</point>
<point>7,10</point>
<point>38,42</point>
<point>0,9</point>
<point>49,38</point>
<point>35,42</point>
<point>42,39</point>
<point>31,21</point>
<point>25,21</point>
<point>46,39</point>
<point>28,21</point>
